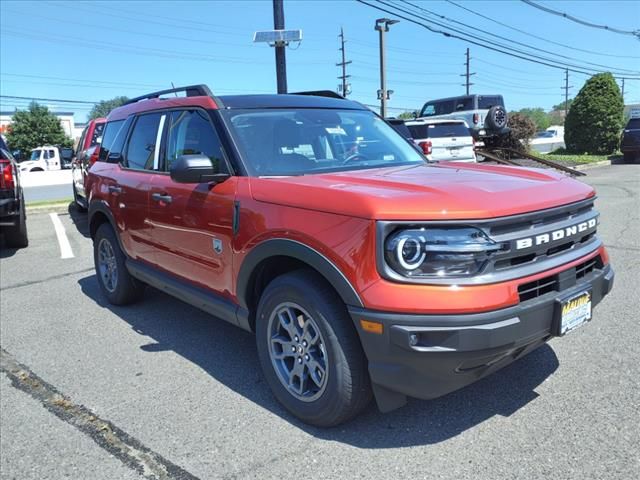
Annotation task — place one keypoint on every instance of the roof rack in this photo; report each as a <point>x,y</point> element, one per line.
<point>191,91</point>
<point>321,93</point>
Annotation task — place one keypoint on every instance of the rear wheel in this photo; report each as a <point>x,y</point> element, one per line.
<point>16,236</point>
<point>114,279</point>
<point>309,350</point>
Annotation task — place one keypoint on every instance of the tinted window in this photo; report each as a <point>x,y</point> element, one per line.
<point>52,154</point>
<point>488,101</point>
<point>634,124</point>
<point>463,103</point>
<point>35,155</point>
<point>307,141</point>
<point>111,129</point>
<point>191,133</point>
<point>97,133</point>
<point>80,146</point>
<point>142,144</point>
<point>437,108</point>
<point>439,130</point>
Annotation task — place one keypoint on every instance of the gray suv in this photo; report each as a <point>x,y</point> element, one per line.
<point>485,114</point>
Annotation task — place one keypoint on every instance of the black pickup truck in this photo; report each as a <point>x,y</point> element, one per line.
<point>13,217</point>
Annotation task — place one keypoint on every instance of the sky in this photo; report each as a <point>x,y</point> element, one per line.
<point>89,51</point>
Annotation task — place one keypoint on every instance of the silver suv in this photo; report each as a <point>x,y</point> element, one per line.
<point>485,114</point>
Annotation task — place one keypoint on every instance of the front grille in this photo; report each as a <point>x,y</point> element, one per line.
<point>537,288</point>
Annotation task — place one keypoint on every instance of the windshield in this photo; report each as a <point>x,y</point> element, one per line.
<point>35,155</point>
<point>308,141</point>
<point>439,130</point>
<point>545,134</point>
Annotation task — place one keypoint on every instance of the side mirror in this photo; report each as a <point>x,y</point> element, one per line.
<point>415,114</point>
<point>195,169</point>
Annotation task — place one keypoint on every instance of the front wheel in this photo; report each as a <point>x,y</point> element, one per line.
<point>309,350</point>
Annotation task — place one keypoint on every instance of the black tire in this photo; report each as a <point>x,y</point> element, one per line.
<point>347,388</point>
<point>496,118</point>
<point>125,289</point>
<point>16,236</point>
<point>77,203</point>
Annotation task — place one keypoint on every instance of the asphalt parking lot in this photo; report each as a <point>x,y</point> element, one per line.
<point>162,390</point>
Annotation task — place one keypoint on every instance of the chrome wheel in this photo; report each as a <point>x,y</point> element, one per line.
<point>107,265</point>
<point>297,351</point>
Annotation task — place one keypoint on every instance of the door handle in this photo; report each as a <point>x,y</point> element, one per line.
<point>159,197</point>
<point>115,189</point>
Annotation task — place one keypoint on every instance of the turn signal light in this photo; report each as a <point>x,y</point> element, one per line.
<point>426,147</point>
<point>371,327</point>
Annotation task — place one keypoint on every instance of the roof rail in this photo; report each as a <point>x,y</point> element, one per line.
<point>191,91</point>
<point>321,93</point>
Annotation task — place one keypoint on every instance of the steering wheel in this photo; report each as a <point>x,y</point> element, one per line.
<point>353,156</point>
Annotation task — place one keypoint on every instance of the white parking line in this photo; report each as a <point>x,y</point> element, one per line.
<point>63,241</point>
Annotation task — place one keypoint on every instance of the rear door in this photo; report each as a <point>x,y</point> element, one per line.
<point>192,223</point>
<point>131,189</point>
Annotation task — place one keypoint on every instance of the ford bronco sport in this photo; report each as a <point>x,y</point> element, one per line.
<point>362,269</point>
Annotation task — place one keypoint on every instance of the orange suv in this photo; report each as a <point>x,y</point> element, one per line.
<point>362,269</point>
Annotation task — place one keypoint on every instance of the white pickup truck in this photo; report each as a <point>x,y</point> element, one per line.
<point>42,159</point>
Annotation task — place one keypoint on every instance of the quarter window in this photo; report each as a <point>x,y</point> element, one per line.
<point>142,144</point>
<point>191,133</point>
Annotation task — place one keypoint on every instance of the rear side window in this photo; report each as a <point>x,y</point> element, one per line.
<point>439,130</point>
<point>97,134</point>
<point>438,108</point>
<point>488,101</point>
<point>142,143</point>
<point>191,133</point>
<point>111,130</point>
<point>634,124</point>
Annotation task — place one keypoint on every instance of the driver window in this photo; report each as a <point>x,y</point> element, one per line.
<point>191,133</point>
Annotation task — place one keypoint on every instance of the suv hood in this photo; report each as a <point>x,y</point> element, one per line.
<point>425,192</point>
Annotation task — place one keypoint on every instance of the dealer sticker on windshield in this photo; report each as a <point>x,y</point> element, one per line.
<point>574,312</point>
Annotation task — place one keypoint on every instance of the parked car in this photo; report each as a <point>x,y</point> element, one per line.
<point>13,216</point>
<point>630,143</point>
<point>548,140</point>
<point>361,269</point>
<point>485,114</point>
<point>443,140</point>
<point>87,154</point>
<point>42,159</point>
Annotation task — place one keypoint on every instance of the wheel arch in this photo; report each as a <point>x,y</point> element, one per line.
<point>275,257</point>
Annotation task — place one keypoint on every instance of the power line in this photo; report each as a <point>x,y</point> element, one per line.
<point>635,33</point>
<point>474,28</point>
<point>84,102</point>
<point>501,49</point>
<point>536,36</point>
<point>126,84</point>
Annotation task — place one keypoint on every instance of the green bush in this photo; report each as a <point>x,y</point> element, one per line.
<point>595,118</point>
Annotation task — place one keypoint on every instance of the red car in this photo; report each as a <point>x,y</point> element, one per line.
<point>86,155</point>
<point>361,269</point>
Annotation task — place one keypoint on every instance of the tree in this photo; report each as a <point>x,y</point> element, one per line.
<point>35,127</point>
<point>594,121</point>
<point>560,107</point>
<point>103,107</point>
<point>538,115</point>
<point>407,115</point>
<point>522,130</point>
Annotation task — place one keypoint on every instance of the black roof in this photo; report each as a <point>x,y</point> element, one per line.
<point>287,101</point>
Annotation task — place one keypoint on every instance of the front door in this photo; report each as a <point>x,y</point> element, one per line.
<point>193,222</point>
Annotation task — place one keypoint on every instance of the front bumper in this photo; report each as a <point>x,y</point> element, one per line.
<point>453,351</point>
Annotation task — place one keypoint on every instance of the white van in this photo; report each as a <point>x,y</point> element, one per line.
<point>42,159</point>
<point>443,140</point>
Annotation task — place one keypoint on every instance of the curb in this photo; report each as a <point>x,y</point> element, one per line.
<point>587,166</point>
<point>58,207</point>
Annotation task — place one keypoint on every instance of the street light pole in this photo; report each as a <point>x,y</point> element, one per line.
<point>281,61</point>
<point>382,26</point>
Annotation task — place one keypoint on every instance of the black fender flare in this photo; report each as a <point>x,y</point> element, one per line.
<point>102,207</point>
<point>291,248</point>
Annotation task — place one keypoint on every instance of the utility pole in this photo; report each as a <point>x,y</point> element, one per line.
<point>566,92</point>
<point>345,88</point>
<point>467,75</point>
<point>382,26</point>
<point>623,90</point>
<point>281,61</point>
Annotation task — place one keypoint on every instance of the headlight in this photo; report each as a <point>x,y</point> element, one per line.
<point>439,252</point>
